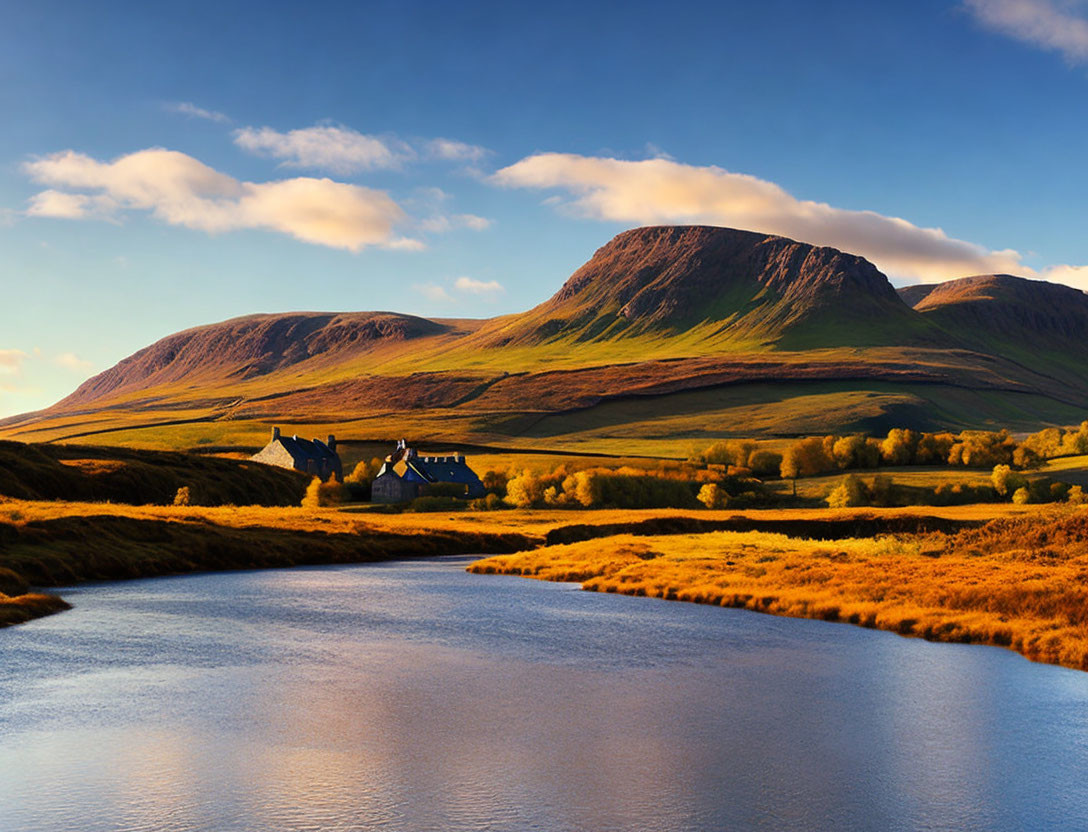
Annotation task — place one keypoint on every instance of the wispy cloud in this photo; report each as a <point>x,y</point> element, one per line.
<point>1055,26</point>
<point>181,190</point>
<point>187,108</point>
<point>11,361</point>
<point>337,149</point>
<point>73,363</point>
<point>442,223</point>
<point>455,151</point>
<point>433,292</point>
<point>21,371</point>
<point>64,205</point>
<point>664,191</point>
<point>478,287</point>
<point>458,290</point>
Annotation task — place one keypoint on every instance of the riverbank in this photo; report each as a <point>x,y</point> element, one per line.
<point>57,544</point>
<point>1016,582</point>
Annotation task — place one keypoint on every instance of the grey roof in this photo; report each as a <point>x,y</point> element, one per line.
<point>304,449</point>
<point>443,469</point>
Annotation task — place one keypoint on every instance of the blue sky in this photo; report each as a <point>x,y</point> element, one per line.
<point>164,167</point>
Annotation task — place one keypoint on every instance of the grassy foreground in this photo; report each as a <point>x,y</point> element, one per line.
<point>1019,582</point>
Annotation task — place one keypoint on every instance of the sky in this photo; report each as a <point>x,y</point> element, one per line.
<point>167,166</point>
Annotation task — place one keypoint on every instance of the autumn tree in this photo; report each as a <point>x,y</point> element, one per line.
<point>899,447</point>
<point>933,448</point>
<point>364,472</point>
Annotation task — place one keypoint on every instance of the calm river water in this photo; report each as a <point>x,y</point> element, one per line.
<point>413,696</point>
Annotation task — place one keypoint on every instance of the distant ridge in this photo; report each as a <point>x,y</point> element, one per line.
<point>1034,321</point>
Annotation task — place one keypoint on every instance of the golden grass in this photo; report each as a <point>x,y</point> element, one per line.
<point>56,542</point>
<point>1019,582</point>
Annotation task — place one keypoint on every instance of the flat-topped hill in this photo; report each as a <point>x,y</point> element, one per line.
<point>723,284</point>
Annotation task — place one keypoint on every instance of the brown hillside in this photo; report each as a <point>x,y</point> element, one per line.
<point>1042,325</point>
<point>254,345</point>
<point>1001,303</point>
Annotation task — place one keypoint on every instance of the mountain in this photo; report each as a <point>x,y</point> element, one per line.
<point>256,345</point>
<point>1034,322</point>
<point>668,335</point>
<point>722,284</point>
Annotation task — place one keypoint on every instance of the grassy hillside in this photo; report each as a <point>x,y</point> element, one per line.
<point>667,334</point>
<point>77,472</point>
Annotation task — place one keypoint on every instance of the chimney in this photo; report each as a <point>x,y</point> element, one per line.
<point>275,434</point>
<point>331,443</point>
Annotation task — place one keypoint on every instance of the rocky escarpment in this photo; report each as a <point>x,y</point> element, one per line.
<point>748,285</point>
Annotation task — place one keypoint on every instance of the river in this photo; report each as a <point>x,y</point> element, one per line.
<point>414,696</point>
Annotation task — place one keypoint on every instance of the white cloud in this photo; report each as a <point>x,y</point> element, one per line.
<point>478,287</point>
<point>1054,26</point>
<point>181,190</point>
<point>1076,276</point>
<point>337,149</point>
<point>187,108</point>
<point>455,292</point>
<point>664,191</point>
<point>455,151</point>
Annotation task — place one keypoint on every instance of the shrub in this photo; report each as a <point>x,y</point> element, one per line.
<point>1077,496</point>
<point>1021,496</point>
<point>492,502</point>
<point>850,493</point>
<point>183,496</point>
<point>319,494</point>
<point>713,496</point>
<point>1006,481</point>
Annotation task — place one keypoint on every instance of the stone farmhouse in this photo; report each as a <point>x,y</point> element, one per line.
<point>311,456</point>
<point>421,473</point>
